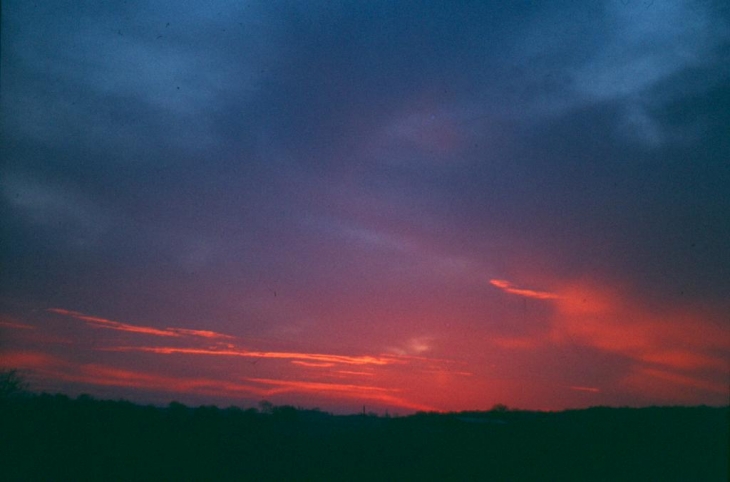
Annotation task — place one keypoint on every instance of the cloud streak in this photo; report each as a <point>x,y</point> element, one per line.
<point>97,322</point>
<point>508,287</point>
<point>302,357</point>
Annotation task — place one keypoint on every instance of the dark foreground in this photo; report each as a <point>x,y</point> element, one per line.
<point>56,438</point>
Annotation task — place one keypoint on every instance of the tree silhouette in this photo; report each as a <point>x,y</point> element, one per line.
<point>11,384</point>
<point>500,408</point>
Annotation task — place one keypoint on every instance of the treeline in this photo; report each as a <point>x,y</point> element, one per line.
<point>54,437</point>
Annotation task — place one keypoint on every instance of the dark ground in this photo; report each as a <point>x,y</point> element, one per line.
<point>52,437</point>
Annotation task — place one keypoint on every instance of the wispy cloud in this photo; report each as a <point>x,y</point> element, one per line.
<point>355,373</point>
<point>200,333</point>
<point>508,287</point>
<point>113,325</point>
<point>307,357</point>
<point>414,346</point>
<point>146,330</point>
<point>16,325</point>
<point>312,364</point>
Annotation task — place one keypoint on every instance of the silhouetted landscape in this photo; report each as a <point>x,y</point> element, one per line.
<point>54,437</point>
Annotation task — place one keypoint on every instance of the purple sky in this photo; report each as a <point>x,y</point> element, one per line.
<point>404,205</point>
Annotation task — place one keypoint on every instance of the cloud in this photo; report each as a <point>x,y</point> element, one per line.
<point>16,326</point>
<point>113,325</point>
<point>200,333</point>
<point>349,373</point>
<point>145,330</point>
<point>28,360</point>
<point>52,369</point>
<point>309,357</point>
<point>417,345</point>
<point>312,364</point>
<point>508,287</point>
<point>49,370</point>
<point>657,343</point>
<point>649,43</point>
<point>57,209</point>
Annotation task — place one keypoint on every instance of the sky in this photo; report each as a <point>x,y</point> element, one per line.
<point>402,205</point>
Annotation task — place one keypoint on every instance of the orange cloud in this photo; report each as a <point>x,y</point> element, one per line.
<point>146,330</point>
<point>508,287</point>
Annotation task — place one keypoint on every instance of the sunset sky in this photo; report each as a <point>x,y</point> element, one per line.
<point>417,205</point>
